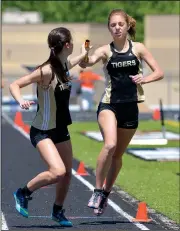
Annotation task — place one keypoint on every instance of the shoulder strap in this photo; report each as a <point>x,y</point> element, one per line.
<point>66,70</point>
<point>41,75</point>
<point>130,44</point>
<point>112,46</point>
<point>52,77</point>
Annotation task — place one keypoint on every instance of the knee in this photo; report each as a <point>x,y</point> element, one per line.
<point>110,147</point>
<point>57,174</point>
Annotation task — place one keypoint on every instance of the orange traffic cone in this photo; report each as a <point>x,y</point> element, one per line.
<point>104,182</point>
<point>156,114</point>
<point>141,215</point>
<point>26,128</point>
<point>18,120</point>
<point>81,170</point>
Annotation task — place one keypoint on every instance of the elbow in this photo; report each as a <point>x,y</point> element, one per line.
<point>11,87</point>
<point>160,75</point>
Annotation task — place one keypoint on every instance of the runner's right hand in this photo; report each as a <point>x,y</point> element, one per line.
<point>25,104</point>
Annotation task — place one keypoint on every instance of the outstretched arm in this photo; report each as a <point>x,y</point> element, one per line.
<point>75,60</point>
<point>98,55</point>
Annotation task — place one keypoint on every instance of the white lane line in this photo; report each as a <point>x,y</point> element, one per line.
<point>85,182</point>
<point>111,203</point>
<point>4,223</point>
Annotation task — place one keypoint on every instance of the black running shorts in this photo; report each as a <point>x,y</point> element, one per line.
<point>126,113</point>
<point>56,135</point>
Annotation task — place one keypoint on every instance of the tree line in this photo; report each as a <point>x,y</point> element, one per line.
<point>94,11</point>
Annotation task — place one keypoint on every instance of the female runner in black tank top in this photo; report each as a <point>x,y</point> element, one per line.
<point>118,110</point>
<point>49,133</point>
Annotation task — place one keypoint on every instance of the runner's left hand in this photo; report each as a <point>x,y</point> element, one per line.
<point>137,79</point>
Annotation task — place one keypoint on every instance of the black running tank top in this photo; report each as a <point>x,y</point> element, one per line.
<point>119,86</point>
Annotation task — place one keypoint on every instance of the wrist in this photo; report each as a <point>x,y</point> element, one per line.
<point>20,100</point>
<point>144,80</point>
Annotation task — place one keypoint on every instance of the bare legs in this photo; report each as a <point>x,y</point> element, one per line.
<point>124,136</point>
<point>59,160</point>
<point>65,150</point>
<point>116,141</point>
<point>108,127</point>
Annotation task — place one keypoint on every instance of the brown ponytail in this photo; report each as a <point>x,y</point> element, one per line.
<point>132,29</point>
